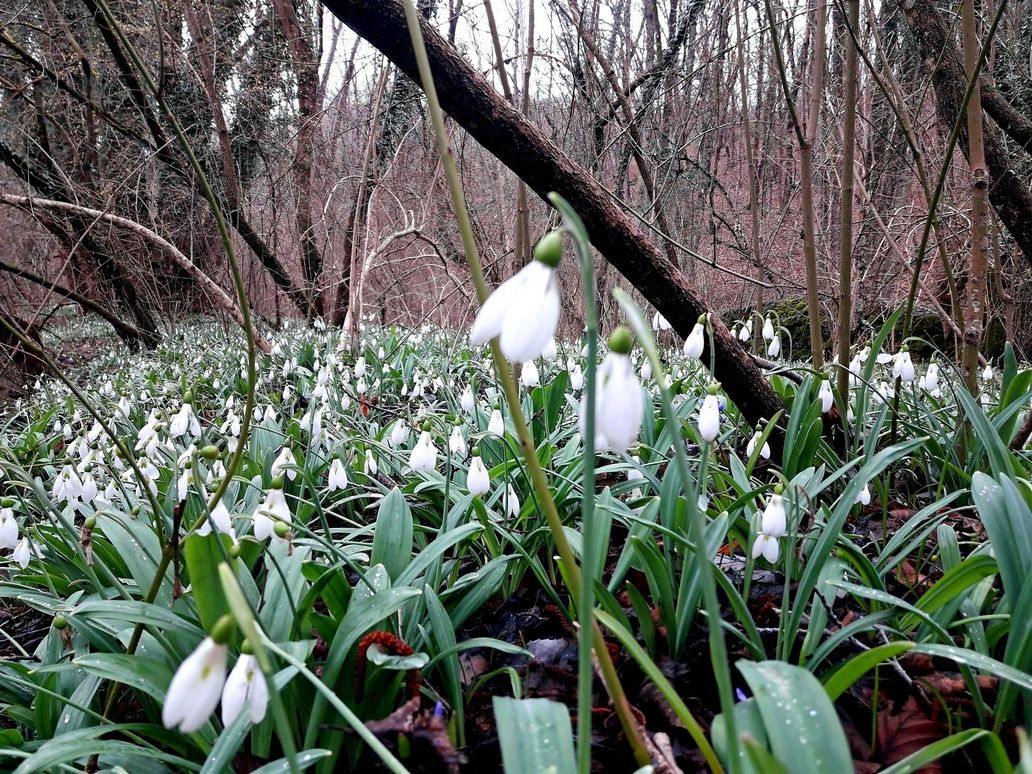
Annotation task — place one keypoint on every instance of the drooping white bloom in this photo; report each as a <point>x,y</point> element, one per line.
<point>529,375</point>
<point>219,519</point>
<point>399,433</point>
<point>338,475</point>
<point>478,480</point>
<point>467,400</point>
<point>618,404</point>
<point>370,467</point>
<point>767,547</point>
<point>22,553</point>
<point>424,454</point>
<point>696,342</point>
<point>576,378</point>
<point>774,348</point>
<point>774,521</point>
<point>273,509</point>
<point>457,442</point>
<point>196,688</point>
<point>864,498</point>
<point>768,329</point>
<point>709,418</point>
<point>751,446</point>
<point>746,332</point>
<point>8,528</point>
<point>360,367</point>
<point>523,313</point>
<point>930,381</point>
<point>826,395</point>
<point>184,421</point>
<point>660,323</point>
<point>646,370</point>
<point>550,351</point>
<point>245,683</point>
<point>496,425</point>
<point>281,463</point>
<point>987,372</point>
<point>512,502</point>
<point>902,367</point>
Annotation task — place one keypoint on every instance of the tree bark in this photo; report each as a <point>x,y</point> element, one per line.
<point>126,332</point>
<point>1007,192</point>
<point>521,146</point>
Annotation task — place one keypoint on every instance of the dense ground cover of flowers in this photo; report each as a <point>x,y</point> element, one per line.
<point>341,604</point>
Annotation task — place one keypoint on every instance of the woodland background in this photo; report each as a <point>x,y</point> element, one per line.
<point>319,152</point>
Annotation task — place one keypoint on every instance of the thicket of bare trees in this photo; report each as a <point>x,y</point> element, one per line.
<point>722,129</point>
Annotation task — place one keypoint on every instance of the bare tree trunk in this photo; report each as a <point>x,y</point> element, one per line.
<point>974,296</point>
<point>306,71</point>
<point>505,132</point>
<point>845,288</point>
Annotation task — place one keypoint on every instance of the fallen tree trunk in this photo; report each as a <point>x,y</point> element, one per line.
<point>523,148</point>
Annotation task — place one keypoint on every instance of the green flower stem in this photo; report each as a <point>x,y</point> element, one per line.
<point>537,474</point>
<point>696,535</point>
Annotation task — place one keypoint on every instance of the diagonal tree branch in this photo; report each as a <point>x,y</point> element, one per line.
<point>521,146</point>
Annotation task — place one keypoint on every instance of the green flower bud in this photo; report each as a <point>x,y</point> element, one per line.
<point>281,528</point>
<point>276,483</point>
<point>549,250</point>
<point>245,647</point>
<point>223,629</point>
<point>60,622</point>
<point>426,426</point>
<point>620,341</point>
<point>90,523</point>
<point>713,389</point>
<point>234,551</point>
<point>210,453</point>
<point>188,396</point>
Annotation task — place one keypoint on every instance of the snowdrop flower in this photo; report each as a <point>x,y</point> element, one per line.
<point>8,528</point>
<point>826,395</point>
<point>709,415</point>
<point>660,323</point>
<point>523,311</point>
<point>22,553</point>
<point>496,425</point>
<point>512,502</point>
<point>338,476</point>
<point>902,367</point>
<point>272,510</point>
<point>930,381</point>
<point>370,467</point>
<point>618,401</point>
<point>423,458</point>
<point>696,341</point>
<point>280,464</point>
<point>864,498</point>
<point>774,521</point>
<point>645,371</point>
<point>360,367</point>
<point>467,400</point>
<point>245,683</point>
<point>529,375</point>
<point>746,332</point>
<point>751,446</point>
<point>774,348</point>
<point>577,378</point>
<point>768,329</point>
<point>399,433</point>
<point>987,372</point>
<point>219,519</point>
<point>551,350</point>
<point>185,421</point>
<point>478,480</point>
<point>196,686</point>
<point>457,442</point>
<point>767,547</point>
